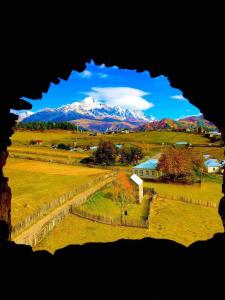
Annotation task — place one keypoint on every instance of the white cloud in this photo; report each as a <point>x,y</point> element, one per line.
<point>178,97</point>
<point>86,74</point>
<point>125,97</point>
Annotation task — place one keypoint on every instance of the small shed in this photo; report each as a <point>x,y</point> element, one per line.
<point>148,169</point>
<point>213,166</point>
<point>139,183</point>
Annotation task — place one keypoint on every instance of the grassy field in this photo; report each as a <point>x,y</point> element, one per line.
<point>208,191</point>
<point>54,136</point>
<point>38,152</point>
<point>75,230</point>
<point>35,183</point>
<point>101,204</point>
<point>214,152</point>
<point>181,222</point>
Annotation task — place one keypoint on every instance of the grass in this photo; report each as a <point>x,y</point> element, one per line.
<point>181,222</point>
<point>36,183</point>
<point>102,204</point>
<point>55,136</point>
<point>36,152</point>
<point>208,191</point>
<point>214,152</point>
<point>75,230</point>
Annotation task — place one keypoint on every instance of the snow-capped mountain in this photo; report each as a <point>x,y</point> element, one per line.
<point>89,109</point>
<point>22,115</point>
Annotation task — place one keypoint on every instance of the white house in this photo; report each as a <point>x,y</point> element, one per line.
<point>148,169</point>
<point>213,166</point>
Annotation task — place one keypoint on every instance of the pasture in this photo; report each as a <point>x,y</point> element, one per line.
<point>182,222</point>
<point>63,136</point>
<point>36,183</point>
<point>209,190</point>
<point>170,219</point>
<point>102,204</point>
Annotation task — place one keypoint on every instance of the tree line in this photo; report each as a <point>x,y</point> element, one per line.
<point>108,153</point>
<point>49,126</point>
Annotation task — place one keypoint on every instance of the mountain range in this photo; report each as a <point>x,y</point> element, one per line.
<point>184,123</point>
<point>95,115</point>
<point>90,114</point>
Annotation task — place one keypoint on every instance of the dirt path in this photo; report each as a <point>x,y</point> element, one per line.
<point>31,236</point>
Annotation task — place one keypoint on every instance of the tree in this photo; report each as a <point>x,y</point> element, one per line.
<point>197,162</point>
<point>176,163</point>
<point>106,153</point>
<point>130,154</point>
<point>124,191</point>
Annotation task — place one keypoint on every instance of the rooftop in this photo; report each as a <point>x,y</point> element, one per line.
<point>212,163</point>
<point>149,164</point>
<point>136,179</point>
<point>181,143</point>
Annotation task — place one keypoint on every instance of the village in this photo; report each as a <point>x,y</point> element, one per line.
<point>124,178</point>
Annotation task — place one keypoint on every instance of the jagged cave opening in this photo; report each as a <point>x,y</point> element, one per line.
<point>160,126</point>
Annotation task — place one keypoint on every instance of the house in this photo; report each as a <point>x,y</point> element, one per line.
<point>37,142</point>
<point>93,148</point>
<point>139,184</point>
<point>148,169</point>
<point>213,166</point>
<point>214,133</point>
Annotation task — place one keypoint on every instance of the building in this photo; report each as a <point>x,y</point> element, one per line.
<point>213,166</point>
<point>139,184</point>
<point>148,169</point>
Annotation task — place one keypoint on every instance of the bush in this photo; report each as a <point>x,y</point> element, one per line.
<point>88,160</point>
<point>63,146</point>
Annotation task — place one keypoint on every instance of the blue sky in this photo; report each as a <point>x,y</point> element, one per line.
<point>126,88</point>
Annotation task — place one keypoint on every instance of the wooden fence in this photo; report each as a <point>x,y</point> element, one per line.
<point>189,200</point>
<point>45,209</point>
<point>109,220</point>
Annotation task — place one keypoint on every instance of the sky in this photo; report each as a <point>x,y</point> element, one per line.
<point>125,88</point>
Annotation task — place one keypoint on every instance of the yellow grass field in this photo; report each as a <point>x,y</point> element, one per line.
<point>170,219</point>
<point>36,183</point>
<point>183,222</point>
<point>74,230</point>
<point>209,191</point>
<point>45,153</point>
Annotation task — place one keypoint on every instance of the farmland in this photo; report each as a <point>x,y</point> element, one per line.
<point>209,190</point>
<point>102,204</point>
<point>55,136</point>
<point>181,222</point>
<point>36,183</point>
